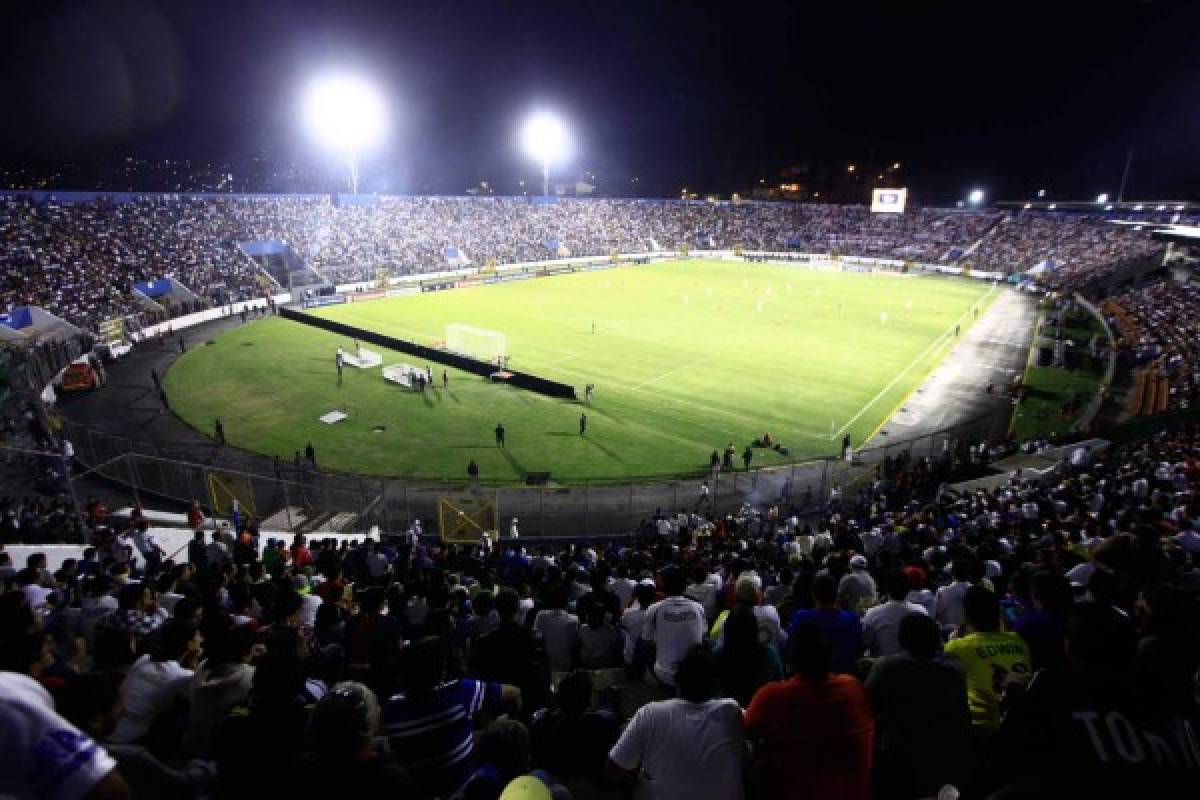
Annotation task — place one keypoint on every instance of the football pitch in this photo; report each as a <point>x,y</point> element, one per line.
<point>686,357</point>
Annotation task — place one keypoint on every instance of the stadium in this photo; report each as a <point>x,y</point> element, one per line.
<point>540,488</point>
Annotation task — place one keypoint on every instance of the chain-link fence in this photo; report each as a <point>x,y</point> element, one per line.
<point>299,497</point>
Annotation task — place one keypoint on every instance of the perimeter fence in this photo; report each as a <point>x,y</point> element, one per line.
<point>300,497</point>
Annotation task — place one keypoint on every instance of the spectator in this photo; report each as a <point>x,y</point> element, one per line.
<point>674,625</point>
<point>881,624</point>
<point>815,729</point>
<point>744,662</point>
<point>842,628</point>
<point>991,658</point>
<point>687,747</point>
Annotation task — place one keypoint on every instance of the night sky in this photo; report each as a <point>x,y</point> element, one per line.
<point>1010,96</point>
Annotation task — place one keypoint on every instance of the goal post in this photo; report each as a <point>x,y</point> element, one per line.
<point>481,343</point>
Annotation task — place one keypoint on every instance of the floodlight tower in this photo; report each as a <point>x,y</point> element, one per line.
<point>347,115</point>
<point>544,139</point>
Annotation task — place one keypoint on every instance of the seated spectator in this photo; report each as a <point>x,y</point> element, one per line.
<point>572,741</point>
<point>922,726</point>
<point>600,641</point>
<point>815,729</point>
<point>688,747</point>
<point>559,630</point>
<point>429,722</point>
<point>43,754</point>
<point>856,590</point>
<point>221,682</point>
<point>512,654</point>
<point>158,681</point>
<point>341,758</point>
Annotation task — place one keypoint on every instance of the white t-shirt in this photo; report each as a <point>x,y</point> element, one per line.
<point>632,621</point>
<point>149,689</point>
<point>674,625</point>
<point>684,751</point>
<point>559,631</point>
<point>41,754</point>
<point>881,626</point>
<point>706,595</point>
<point>948,605</point>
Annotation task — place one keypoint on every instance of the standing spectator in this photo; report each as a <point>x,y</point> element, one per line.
<point>842,628</point>
<point>815,729</point>
<point>922,734</point>
<point>856,590</point>
<point>674,625</point>
<point>744,662</point>
<point>881,624</point>
<point>688,747</point>
<point>991,658</point>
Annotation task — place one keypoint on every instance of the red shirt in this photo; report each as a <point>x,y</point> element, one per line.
<point>301,556</point>
<point>817,738</point>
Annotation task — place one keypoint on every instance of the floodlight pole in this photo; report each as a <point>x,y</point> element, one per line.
<point>545,177</point>
<point>353,159</point>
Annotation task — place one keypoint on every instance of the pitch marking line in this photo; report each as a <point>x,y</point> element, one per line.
<point>935,343</point>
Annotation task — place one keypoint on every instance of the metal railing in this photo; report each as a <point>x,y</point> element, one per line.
<point>298,497</point>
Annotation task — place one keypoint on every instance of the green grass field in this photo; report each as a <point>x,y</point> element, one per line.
<point>686,357</point>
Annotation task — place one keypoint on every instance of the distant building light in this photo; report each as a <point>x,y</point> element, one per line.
<point>1160,208</point>
<point>850,168</point>
<point>1108,207</point>
<point>1041,192</point>
<point>1138,207</point>
<point>1102,197</point>
<point>896,165</point>
<point>975,197</point>
<point>1052,206</point>
<point>1028,206</point>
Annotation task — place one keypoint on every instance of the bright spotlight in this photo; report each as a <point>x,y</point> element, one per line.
<point>544,139</point>
<point>975,197</point>
<point>345,114</point>
<point>1102,197</point>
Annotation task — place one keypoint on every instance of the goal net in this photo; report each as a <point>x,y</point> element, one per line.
<point>481,343</point>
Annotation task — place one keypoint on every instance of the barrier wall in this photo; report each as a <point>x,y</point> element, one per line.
<point>1093,407</point>
<point>523,380</point>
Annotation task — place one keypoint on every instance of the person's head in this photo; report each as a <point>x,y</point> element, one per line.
<point>508,602</point>
<point>483,604</point>
<point>232,645</point>
<point>575,693</point>
<point>919,636</point>
<point>343,721</point>
<point>673,580</point>
<point>824,591</point>
<point>858,562</point>
<point>962,569</point>
<point>1101,638</point>
<point>741,630</point>
<point>91,702</point>
<point>504,745</point>
<point>278,679</point>
<point>981,609</point>
<point>594,616</point>
<point>746,591</point>
<point>423,665</point>
<point>896,584</point>
<point>644,594</point>
<point>810,653</point>
<point>24,646</point>
<point>1052,592</point>
<point>696,675</point>
<point>176,639</point>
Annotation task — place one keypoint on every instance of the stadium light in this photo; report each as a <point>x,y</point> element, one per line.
<point>1102,197</point>
<point>975,197</point>
<point>1041,192</point>
<point>544,139</point>
<point>347,115</point>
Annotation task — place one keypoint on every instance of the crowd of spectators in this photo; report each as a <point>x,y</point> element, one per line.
<point>1037,639</point>
<point>80,260</point>
<point>1160,328</point>
<point>1072,247</point>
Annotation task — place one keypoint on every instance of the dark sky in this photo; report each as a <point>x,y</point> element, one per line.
<point>1010,96</point>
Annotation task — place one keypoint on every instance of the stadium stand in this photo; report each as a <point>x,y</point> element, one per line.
<point>80,260</point>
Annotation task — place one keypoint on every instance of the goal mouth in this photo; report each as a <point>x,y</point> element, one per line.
<point>483,344</point>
